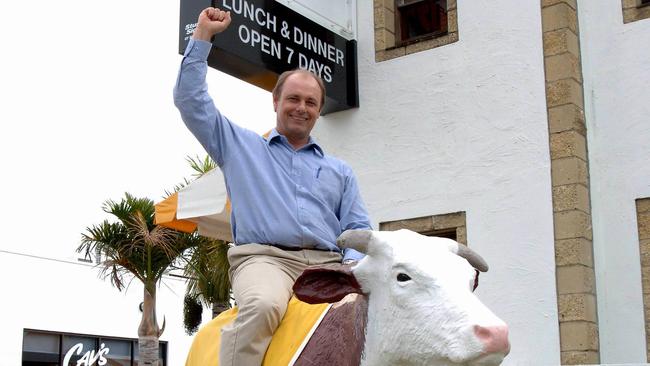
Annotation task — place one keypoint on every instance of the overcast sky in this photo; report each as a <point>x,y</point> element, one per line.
<point>87,114</point>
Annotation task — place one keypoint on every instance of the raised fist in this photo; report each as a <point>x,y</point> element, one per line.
<point>211,21</point>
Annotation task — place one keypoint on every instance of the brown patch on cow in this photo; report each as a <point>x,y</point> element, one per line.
<point>340,337</point>
<point>326,283</point>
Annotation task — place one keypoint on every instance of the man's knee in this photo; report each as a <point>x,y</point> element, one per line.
<point>265,310</point>
<point>263,313</point>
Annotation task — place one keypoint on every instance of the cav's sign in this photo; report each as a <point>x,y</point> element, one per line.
<point>266,38</point>
<point>89,358</point>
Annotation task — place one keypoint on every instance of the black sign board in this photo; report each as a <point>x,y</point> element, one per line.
<point>266,38</point>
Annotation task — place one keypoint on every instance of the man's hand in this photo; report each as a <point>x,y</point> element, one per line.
<point>211,21</point>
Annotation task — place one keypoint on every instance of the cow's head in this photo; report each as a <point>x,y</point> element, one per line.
<point>421,306</point>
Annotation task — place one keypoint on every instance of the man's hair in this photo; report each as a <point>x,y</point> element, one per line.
<point>277,89</point>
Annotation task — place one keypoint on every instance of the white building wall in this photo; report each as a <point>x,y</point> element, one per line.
<point>464,127</point>
<point>616,71</point>
<point>62,296</point>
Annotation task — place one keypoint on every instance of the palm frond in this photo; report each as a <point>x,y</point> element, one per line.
<point>177,188</point>
<point>133,244</point>
<point>128,206</point>
<point>207,271</point>
<point>201,166</point>
<point>106,237</point>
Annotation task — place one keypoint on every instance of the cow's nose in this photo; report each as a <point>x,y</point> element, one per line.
<point>494,338</point>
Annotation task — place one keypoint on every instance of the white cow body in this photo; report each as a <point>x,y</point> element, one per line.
<point>421,309</point>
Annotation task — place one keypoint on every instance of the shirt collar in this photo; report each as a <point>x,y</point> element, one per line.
<point>310,144</point>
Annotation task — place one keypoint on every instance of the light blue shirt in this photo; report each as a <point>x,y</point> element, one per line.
<point>294,198</point>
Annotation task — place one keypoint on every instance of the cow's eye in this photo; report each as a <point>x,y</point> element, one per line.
<point>403,277</point>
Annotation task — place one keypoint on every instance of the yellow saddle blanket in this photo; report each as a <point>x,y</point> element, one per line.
<point>299,322</point>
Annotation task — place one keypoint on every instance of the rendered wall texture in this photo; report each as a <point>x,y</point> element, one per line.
<point>616,73</point>
<point>463,128</point>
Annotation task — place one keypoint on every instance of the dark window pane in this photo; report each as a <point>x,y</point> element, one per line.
<point>421,17</point>
<point>41,342</point>
<point>451,234</point>
<point>89,343</point>
<point>136,351</point>
<point>163,353</point>
<point>40,349</point>
<point>119,353</point>
<point>118,362</point>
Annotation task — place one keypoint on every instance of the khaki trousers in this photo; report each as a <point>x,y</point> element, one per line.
<point>262,277</point>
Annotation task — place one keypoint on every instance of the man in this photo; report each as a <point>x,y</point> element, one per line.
<point>290,201</point>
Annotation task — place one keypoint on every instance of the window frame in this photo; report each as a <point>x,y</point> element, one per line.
<point>635,10</point>
<point>450,225</point>
<point>642,206</point>
<point>388,47</point>
<point>401,41</point>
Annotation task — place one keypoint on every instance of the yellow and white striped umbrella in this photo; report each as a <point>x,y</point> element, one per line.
<point>202,205</point>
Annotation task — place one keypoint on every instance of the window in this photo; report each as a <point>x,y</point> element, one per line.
<point>121,351</point>
<point>450,226</point>
<point>44,348</point>
<point>419,19</point>
<point>403,27</point>
<point>81,345</point>
<point>643,227</point>
<point>41,349</point>
<point>634,10</point>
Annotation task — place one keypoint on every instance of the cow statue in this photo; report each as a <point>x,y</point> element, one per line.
<point>421,308</point>
<point>409,301</point>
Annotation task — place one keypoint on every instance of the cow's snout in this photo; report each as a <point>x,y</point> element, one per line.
<point>494,338</point>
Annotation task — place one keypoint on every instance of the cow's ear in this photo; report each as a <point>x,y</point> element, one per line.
<point>326,283</point>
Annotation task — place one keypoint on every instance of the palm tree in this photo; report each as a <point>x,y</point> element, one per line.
<point>133,246</point>
<point>206,267</point>
<point>207,272</point>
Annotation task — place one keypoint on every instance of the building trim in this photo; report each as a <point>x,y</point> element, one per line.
<point>452,223</point>
<point>575,274</point>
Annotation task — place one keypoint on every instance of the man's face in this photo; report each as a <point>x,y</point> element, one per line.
<point>297,108</point>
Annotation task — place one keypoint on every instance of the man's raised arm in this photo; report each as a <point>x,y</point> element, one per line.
<point>191,91</point>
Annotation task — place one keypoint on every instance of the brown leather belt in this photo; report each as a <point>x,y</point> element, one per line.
<point>292,249</point>
<point>295,249</point>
